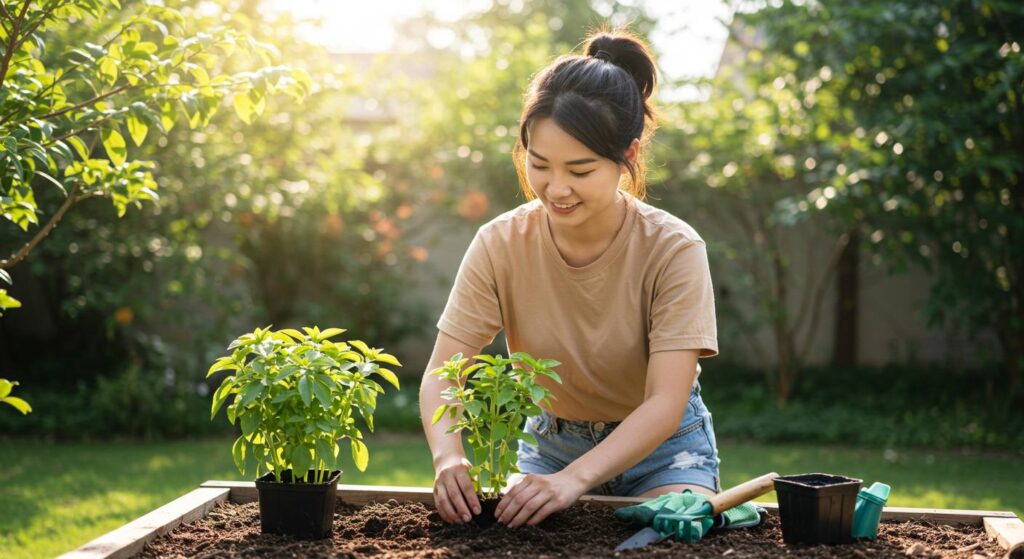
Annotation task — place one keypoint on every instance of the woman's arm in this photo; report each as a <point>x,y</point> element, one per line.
<point>670,378</point>
<point>454,496</point>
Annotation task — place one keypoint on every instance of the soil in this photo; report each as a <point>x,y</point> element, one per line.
<point>584,530</point>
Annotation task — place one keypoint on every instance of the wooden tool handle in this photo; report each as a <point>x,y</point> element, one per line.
<point>742,493</point>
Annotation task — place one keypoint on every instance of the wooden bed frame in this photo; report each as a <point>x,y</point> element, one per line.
<point>129,539</point>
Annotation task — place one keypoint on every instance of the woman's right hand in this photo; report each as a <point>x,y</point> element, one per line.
<point>454,496</point>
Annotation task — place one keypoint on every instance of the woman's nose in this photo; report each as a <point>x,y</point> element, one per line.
<point>559,189</point>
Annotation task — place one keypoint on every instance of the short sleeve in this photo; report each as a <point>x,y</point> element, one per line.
<point>473,314</point>
<point>683,305</point>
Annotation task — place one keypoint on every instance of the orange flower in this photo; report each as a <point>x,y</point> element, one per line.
<point>124,316</point>
<point>404,211</point>
<point>419,254</point>
<point>474,205</point>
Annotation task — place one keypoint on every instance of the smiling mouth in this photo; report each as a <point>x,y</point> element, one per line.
<point>565,206</point>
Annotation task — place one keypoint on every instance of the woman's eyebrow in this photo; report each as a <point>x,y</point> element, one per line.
<point>573,162</point>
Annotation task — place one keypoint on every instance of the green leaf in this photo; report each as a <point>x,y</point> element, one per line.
<point>439,413</point>
<point>220,365</point>
<point>301,460</point>
<point>238,453</point>
<point>537,393</point>
<point>108,69</point>
<point>243,107</point>
<point>322,393</point>
<point>498,432</point>
<point>305,390</point>
<point>326,451</point>
<point>137,129</point>
<point>8,302</point>
<point>249,422</point>
<point>18,403</point>
<point>250,393</point>
<point>389,376</point>
<point>360,454</point>
<point>331,332</point>
<point>389,359</point>
<point>362,347</point>
<point>221,395</point>
<point>293,333</point>
<point>474,407</point>
<point>116,148</point>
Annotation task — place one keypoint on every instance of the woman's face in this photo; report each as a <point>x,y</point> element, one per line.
<point>574,183</point>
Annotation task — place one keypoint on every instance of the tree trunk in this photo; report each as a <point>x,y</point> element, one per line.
<point>786,366</point>
<point>847,303</point>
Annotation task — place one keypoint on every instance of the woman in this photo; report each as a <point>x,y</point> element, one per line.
<point>588,274</point>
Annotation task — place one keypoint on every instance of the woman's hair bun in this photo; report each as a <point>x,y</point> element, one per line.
<point>629,53</point>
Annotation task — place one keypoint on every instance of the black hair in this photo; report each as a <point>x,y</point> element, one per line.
<point>600,98</point>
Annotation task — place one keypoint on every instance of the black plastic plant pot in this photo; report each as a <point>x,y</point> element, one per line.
<point>816,508</point>
<point>486,518</point>
<point>303,510</point>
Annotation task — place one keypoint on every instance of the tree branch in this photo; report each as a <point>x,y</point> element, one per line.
<point>13,44</point>
<point>71,200</point>
<point>96,99</point>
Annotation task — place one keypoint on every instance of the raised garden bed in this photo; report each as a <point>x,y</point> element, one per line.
<point>221,520</point>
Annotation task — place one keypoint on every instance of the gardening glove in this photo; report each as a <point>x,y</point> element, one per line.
<point>669,503</point>
<point>746,515</point>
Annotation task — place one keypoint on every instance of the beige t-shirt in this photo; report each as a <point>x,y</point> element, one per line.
<point>650,291</point>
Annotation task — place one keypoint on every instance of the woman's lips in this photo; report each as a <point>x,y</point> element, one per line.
<point>564,211</point>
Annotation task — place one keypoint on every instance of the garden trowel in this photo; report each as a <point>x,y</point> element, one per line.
<point>691,523</point>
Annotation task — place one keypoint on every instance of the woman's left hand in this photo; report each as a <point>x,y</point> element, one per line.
<point>537,496</point>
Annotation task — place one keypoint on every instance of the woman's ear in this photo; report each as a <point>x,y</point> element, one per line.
<point>631,153</point>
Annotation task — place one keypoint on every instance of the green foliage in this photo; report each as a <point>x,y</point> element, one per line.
<point>294,394</point>
<point>6,301</point>
<point>895,406</point>
<point>144,73</point>
<point>5,396</point>
<point>930,98</point>
<point>491,403</point>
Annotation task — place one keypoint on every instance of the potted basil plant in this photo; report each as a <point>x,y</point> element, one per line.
<point>492,399</point>
<point>293,394</point>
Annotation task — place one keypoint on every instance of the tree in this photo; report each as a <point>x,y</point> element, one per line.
<point>747,164</point>
<point>936,90</point>
<point>64,115</point>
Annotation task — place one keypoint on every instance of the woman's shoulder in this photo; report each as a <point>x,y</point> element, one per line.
<point>657,226</point>
<point>515,222</point>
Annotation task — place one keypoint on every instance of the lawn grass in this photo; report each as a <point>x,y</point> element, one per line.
<point>55,497</point>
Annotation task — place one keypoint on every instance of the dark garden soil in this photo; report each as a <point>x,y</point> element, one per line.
<point>584,530</point>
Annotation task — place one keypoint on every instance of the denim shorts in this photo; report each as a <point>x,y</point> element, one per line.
<point>689,456</point>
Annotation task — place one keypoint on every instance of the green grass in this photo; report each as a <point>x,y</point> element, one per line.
<point>54,498</point>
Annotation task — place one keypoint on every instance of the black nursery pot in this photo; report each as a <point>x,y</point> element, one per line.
<point>302,510</point>
<point>486,517</point>
<point>816,508</point>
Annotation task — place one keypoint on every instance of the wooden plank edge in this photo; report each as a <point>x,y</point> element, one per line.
<point>1009,532</point>
<point>129,539</point>
<point>245,492</point>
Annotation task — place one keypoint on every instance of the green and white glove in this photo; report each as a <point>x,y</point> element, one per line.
<point>746,515</point>
<point>669,503</point>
